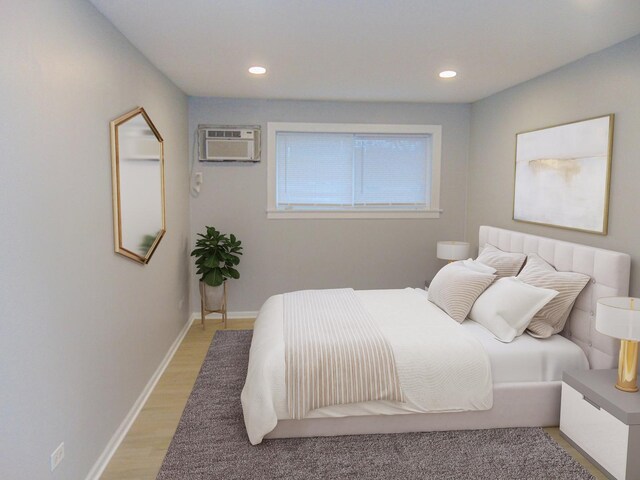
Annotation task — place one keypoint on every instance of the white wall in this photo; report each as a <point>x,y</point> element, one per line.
<point>601,83</point>
<point>285,255</point>
<point>81,328</point>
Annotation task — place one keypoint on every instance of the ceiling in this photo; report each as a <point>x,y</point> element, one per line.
<point>384,50</point>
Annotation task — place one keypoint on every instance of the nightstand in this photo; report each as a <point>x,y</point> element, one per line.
<point>602,422</point>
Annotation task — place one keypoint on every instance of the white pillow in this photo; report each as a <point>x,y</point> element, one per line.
<point>507,307</point>
<point>478,266</point>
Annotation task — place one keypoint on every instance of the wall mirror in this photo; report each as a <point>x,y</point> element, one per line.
<point>137,154</point>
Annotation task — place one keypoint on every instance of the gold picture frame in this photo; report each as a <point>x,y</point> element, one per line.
<point>562,175</point>
<point>137,165</point>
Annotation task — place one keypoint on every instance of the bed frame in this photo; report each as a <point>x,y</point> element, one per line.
<point>532,404</point>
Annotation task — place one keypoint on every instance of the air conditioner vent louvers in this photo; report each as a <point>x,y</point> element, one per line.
<point>224,134</point>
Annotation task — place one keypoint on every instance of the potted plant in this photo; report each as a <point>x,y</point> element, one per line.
<point>217,255</point>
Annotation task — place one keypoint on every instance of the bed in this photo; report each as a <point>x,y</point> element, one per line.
<point>524,376</point>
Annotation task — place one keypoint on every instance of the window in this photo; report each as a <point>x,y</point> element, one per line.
<point>353,171</point>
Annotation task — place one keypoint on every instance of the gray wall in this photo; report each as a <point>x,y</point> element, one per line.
<point>602,83</point>
<point>81,329</point>
<point>285,255</point>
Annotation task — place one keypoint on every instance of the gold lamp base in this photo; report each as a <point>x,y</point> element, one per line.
<point>628,366</point>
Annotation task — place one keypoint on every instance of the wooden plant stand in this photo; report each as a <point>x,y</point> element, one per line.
<point>204,311</point>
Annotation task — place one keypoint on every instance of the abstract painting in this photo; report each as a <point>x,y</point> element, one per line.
<point>562,175</point>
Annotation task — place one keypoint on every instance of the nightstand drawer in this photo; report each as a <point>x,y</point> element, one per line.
<point>596,431</point>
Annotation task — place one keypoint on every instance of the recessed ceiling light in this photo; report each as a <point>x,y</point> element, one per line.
<point>448,74</point>
<point>257,70</point>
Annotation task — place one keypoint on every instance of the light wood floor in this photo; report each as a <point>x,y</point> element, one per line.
<point>140,455</point>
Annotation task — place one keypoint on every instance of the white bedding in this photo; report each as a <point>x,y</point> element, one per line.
<point>401,316</point>
<point>527,359</point>
<point>441,366</point>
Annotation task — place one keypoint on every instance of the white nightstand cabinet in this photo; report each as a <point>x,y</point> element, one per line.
<point>602,422</point>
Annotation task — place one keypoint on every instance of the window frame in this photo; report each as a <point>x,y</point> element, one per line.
<point>433,211</point>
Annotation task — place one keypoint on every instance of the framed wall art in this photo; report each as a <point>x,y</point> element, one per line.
<point>562,175</point>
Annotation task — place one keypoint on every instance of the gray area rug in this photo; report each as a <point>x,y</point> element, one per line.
<point>211,442</point>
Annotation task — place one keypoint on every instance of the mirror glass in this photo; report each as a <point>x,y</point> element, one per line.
<point>138,178</point>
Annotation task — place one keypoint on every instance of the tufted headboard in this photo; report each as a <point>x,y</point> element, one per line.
<point>609,272</point>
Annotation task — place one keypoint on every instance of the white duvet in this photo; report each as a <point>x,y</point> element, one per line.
<point>440,365</point>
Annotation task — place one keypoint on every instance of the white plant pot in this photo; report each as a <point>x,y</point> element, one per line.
<point>213,296</point>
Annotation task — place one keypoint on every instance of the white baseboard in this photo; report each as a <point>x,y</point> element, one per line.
<point>98,468</point>
<point>195,316</point>
<point>123,429</point>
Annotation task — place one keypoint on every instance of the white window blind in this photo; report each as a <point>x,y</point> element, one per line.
<point>324,171</point>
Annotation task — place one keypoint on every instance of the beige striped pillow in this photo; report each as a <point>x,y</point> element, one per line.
<point>507,264</point>
<point>552,317</point>
<point>455,288</point>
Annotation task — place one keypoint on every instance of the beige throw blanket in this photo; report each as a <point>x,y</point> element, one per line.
<point>334,352</point>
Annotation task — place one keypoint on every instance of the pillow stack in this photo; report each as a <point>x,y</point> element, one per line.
<point>538,300</point>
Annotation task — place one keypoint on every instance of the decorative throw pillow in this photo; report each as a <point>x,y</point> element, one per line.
<point>552,317</point>
<point>455,288</point>
<point>507,264</point>
<point>507,307</point>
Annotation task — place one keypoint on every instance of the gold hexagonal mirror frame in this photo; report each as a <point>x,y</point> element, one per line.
<point>137,160</point>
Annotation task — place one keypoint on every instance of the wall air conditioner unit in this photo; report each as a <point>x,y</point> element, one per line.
<point>229,143</point>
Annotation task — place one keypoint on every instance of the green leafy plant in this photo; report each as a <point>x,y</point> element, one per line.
<point>216,256</point>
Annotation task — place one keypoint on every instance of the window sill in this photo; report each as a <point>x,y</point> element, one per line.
<point>350,214</point>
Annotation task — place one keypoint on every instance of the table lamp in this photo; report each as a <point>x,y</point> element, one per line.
<point>619,317</point>
<point>452,250</point>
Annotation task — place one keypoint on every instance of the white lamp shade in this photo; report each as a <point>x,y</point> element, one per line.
<point>619,317</point>
<point>453,250</point>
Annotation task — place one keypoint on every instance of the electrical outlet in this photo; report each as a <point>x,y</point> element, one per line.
<point>181,303</point>
<point>57,456</point>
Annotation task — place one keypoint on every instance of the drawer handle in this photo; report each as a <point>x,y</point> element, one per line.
<point>591,402</point>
